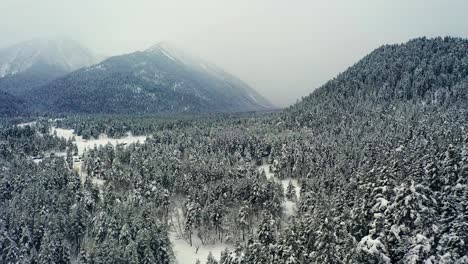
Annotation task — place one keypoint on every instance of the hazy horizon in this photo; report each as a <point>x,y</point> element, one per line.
<point>283,50</point>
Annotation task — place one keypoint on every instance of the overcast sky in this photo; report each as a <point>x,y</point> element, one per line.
<point>284,49</point>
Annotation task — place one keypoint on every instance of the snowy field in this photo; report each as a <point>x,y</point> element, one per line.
<point>83,145</point>
<point>185,254</point>
<point>22,125</point>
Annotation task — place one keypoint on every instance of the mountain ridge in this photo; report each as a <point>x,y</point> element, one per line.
<point>156,80</point>
<point>421,71</point>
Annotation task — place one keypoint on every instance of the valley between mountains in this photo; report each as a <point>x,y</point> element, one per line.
<point>157,156</point>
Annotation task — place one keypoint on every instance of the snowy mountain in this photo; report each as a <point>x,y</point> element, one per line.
<point>161,79</point>
<point>36,62</point>
<point>421,73</point>
<point>209,69</point>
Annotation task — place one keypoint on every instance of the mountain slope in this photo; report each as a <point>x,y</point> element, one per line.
<point>226,83</point>
<point>157,80</point>
<point>36,62</point>
<point>419,72</point>
<point>381,155</point>
<point>11,105</point>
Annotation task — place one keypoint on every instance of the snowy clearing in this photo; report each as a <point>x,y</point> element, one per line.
<point>289,207</point>
<point>22,125</point>
<point>185,254</point>
<point>83,144</point>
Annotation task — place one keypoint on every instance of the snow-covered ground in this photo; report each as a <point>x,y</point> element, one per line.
<point>289,207</point>
<point>186,254</point>
<point>84,145</point>
<point>26,124</point>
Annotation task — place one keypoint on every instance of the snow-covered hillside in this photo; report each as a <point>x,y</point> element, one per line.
<point>161,79</point>
<point>61,53</point>
<point>200,65</point>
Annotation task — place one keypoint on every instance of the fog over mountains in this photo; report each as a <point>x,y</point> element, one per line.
<point>61,76</point>
<point>36,62</point>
